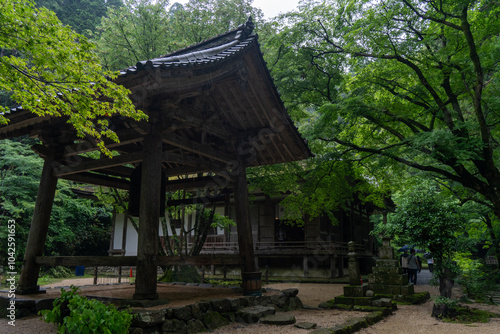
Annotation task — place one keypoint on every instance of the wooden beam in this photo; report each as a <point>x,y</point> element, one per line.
<point>149,213</point>
<point>38,229</point>
<point>196,183</point>
<point>98,164</point>
<point>117,261</point>
<point>194,147</point>
<point>127,136</point>
<point>196,200</point>
<point>98,180</point>
<point>243,224</point>
<point>202,126</point>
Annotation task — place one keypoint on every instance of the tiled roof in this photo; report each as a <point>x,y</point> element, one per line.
<point>210,51</point>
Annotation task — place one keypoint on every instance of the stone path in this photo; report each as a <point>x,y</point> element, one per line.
<point>424,277</point>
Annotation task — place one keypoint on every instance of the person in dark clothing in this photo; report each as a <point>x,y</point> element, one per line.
<point>413,267</point>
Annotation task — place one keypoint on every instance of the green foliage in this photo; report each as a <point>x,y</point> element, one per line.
<point>317,186</point>
<point>139,30</point>
<point>427,218</point>
<point>78,226</point>
<point>146,29</point>
<point>476,280</point>
<point>221,283</point>
<point>86,315</point>
<point>449,302</point>
<point>199,20</point>
<point>51,70</point>
<point>80,15</point>
<point>59,272</point>
<point>219,221</point>
<point>398,83</point>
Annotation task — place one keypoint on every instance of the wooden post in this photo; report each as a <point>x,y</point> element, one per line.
<point>243,224</point>
<point>147,246</point>
<point>305,264</point>
<point>95,275</point>
<point>38,229</point>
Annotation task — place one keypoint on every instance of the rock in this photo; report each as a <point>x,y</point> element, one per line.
<point>306,325</point>
<point>279,319</point>
<point>370,293</point>
<point>295,303</point>
<point>183,313</point>
<point>235,304</point>
<point>254,313</point>
<point>173,326</point>
<point>147,318</point>
<point>382,302</point>
<point>221,305</point>
<point>195,326</point>
<point>290,292</point>
<point>213,320</point>
<point>44,304</point>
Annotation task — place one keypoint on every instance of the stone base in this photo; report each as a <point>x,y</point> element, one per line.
<point>387,263</point>
<point>386,252</point>
<point>389,289</point>
<point>387,270</point>
<point>355,290</point>
<point>388,278</point>
<point>363,301</point>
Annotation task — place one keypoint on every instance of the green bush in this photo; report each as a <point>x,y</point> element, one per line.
<point>440,300</point>
<point>86,315</point>
<point>476,280</point>
<point>59,272</point>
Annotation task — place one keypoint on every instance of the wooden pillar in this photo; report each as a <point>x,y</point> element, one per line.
<point>147,246</point>
<point>332,266</point>
<point>305,265</point>
<point>243,224</point>
<point>38,229</point>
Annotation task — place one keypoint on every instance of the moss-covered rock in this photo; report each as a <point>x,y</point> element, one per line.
<point>213,320</point>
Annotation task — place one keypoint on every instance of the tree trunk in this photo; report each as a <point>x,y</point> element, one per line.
<point>495,241</point>
<point>446,283</point>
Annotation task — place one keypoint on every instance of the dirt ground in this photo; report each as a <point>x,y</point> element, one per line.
<point>407,319</point>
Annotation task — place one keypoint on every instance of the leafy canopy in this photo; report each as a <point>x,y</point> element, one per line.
<point>51,70</point>
<point>399,82</point>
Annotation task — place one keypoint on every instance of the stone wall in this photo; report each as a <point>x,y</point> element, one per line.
<point>208,315</point>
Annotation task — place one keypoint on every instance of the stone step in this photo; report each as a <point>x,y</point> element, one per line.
<point>253,314</point>
<point>279,319</point>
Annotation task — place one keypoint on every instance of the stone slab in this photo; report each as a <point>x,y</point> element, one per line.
<point>355,290</point>
<point>279,319</point>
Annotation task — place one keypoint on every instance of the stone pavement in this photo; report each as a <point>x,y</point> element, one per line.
<point>424,277</point>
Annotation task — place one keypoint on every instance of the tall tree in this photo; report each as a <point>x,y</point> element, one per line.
<point>145,29</point>
<point>427,218</point>
<point>421,83</point>
<point>80,15</point>
<point>137,31</point>
<point>51,70</point>
<point>199,20</point>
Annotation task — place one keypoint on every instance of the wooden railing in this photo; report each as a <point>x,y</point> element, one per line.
<point>227,247</point>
